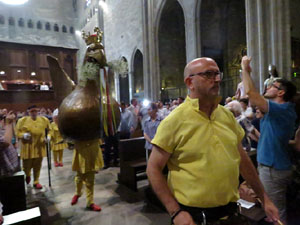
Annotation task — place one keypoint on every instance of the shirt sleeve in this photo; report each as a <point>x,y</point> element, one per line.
<point>237,128</point>
<point>275,108</point>
<point>165,137</point>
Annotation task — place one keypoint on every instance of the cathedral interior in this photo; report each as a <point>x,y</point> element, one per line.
<point>145,46</point>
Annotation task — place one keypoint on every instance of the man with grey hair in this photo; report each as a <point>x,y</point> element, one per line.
<point>200,141</point>
<point>250,131</point>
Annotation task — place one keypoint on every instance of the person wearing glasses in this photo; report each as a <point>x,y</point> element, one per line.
<point>200,141</point>
<point>276,129</point>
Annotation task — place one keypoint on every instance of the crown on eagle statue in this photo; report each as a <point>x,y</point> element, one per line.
<point>93,38</point>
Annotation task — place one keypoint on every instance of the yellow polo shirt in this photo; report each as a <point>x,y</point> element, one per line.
<point>204,161</point>
<point>36,146</point>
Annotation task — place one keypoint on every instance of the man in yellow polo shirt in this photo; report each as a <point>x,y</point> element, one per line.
<point>200,141</point>
<point>31,131</point>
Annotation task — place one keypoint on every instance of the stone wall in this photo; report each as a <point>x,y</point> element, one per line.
<point>123,32</point>
<point>53,12</point>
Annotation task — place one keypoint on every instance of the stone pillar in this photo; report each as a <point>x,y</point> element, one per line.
<point>146,60</point>
<point>268,38</point>
<point>117,87</point>
<point>151,73</point>
<point>190,29</point>
<point>130,81</point>
<point>155,83</point>
<point>101,21</point>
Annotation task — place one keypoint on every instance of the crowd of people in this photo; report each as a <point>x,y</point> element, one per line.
<point>29,132</point>
<point>203,143</point>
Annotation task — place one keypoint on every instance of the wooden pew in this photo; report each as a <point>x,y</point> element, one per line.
<point>132,162</point>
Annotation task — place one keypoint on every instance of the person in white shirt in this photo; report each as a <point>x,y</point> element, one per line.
<point>44,87</point>
<point>162,111</point>
<point>174,105</point>
<point>250,131</point>
<point>247,110</point>
<point>127,122</point>
<point>134,108</point>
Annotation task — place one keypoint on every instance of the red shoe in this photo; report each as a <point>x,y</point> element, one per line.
<point>60,164</point>
<point>56,164</point>
<point>75,199</point>
<point>38,186</point>
<point>28,179</point>
<point>94,207</point>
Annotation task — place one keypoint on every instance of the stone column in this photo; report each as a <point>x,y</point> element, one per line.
<point>151,74</point>
<point>268,38</point>
<point>146,60</point>
<point>190,29</point>
<point>101,21</point>
<point>130,81</point>
<point>117,87</point>
<point>155,83</point>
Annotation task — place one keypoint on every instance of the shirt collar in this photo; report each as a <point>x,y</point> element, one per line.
<point>194,103</point>
<point>157,118</point>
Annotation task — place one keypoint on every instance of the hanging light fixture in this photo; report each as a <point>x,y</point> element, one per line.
<point>14,2</point>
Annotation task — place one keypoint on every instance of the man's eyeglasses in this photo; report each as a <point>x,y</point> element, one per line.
<point>211,75</point>
<point>273,85</point>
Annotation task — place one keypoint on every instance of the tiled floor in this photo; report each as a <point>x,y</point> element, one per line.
<point>119,204</point>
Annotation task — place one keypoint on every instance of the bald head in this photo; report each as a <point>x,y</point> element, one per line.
<point>198,62</point>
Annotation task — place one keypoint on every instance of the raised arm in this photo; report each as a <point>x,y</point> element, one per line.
<point>254,96</point>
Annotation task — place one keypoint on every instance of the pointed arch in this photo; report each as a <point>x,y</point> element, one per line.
<point>171,48</point>
<point>124,85</point>
<point>137,74</point>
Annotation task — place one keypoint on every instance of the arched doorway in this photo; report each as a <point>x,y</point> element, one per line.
<point>124,86</point>
<point>138,76</point>
<point>223,38</point>
<point>172,50</point>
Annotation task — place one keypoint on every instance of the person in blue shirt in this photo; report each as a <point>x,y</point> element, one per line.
<point>276,129</point>
<point>150,127</point>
